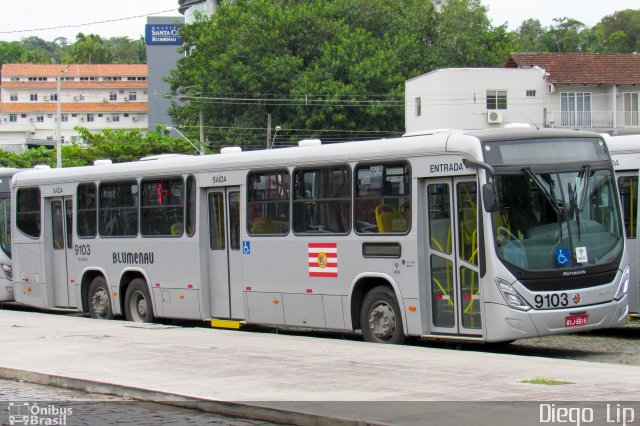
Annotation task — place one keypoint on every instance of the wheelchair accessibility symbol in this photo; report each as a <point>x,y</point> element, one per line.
<point>562,256</point>
<point>246,247</point>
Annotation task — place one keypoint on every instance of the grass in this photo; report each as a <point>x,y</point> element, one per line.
<point>548,382</point>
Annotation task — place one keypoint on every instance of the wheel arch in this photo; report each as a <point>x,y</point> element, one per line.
<point>88,275</point>
<point>364,283</point>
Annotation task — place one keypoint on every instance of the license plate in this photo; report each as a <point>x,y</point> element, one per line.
<point>576,320</point>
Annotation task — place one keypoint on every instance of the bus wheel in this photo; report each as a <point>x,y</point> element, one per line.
<point>380,318</point>
<point>99,300</point>
<point>137,302</point>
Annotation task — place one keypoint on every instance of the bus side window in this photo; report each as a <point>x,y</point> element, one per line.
<point>268,203</point>
<point>382,198</point>
<point>87,210</point>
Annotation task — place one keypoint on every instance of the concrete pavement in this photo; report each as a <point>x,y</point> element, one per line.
<point>294,379</point>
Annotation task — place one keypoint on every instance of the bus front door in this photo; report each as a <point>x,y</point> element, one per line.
<point>452,256</point>
<point>61,247</point>
<point>225,262</point>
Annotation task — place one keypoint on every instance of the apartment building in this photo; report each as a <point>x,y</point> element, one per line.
<point>93,96</point>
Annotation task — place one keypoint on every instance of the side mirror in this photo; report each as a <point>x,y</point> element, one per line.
<point>489,198</point>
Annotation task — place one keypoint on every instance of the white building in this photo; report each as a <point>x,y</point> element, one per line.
<point>599,92</point>
<point>96,97</point>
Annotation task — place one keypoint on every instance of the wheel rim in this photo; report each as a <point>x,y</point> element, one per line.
<point>138,306</point>
<point>100,303</point>
<point>382,321</point>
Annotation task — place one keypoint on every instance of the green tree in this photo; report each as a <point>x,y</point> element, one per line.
<point>619,32</point>
<point>319,64</point>
<point>87,49</point>
<point>530,36</point>
<point>565,35</point>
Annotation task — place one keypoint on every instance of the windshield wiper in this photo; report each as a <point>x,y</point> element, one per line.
<point>547,194</point>
<point>586,172</point>
<point>550,198</point>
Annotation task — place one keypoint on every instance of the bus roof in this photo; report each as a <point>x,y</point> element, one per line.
<point>623,143</point>
<point>454,142</point>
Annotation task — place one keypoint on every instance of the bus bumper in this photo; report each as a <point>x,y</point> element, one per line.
<point>511,324</point>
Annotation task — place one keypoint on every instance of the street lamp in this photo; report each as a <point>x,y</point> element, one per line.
<point>200,150</point>
<point>273,141</point>
<point>59,119</point>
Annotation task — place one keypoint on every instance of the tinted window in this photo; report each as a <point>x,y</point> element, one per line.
<point>322,200</point>
<point>383,198</point>
<point>28,211</point>
<point>118,209</point>
<point>87,210</point>
<point>162,207</point>
<point>268,205</point>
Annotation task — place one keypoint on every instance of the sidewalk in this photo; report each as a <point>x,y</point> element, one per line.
<point>272,373</point>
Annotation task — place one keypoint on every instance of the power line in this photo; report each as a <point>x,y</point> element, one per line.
<point>87,23</point>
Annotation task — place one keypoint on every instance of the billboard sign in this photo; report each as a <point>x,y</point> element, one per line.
<point>162,34</point>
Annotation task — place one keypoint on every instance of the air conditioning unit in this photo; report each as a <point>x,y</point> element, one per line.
<point>132,119</point>
<point>494,117</point>
<point>75,98</point>
<point>108,118</point>
<point>82,119</point>
<point>552,88</point>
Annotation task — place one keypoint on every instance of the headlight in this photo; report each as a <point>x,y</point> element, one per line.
<point>511,296</point>
<point>7,270</point>
<point>623,288</point>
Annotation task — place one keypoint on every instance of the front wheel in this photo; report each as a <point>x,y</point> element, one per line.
<point>99,300</point>
<point>380,317</point>
<point>137,302</point>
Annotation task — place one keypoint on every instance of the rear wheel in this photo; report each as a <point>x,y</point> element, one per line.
<point>99,300</point>
<point>137,302</point>
<point>380,317</point>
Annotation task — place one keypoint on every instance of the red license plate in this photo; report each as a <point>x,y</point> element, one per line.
<point>576,320</point>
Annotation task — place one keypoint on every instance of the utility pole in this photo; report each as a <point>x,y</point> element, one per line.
<point>201,132</point>
<point>59,119</point>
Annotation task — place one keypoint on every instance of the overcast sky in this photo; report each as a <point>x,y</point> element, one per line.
<point>21,19</point>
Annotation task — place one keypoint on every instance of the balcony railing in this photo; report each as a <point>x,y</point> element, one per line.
<point>596,120</point>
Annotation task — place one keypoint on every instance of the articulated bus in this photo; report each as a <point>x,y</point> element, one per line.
<point>490,235</point>
<point>6,278</point>
<point>625,154</point>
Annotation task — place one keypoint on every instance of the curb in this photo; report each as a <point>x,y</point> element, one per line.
<point>232,409</point>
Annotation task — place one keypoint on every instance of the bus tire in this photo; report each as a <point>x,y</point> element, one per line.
<point>99,300</point>
<point>137,302</point>
<point>380,317</point>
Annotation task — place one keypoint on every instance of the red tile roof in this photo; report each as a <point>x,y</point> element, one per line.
<point>582,68</point>
<point>50,107</point>
<point>104,85</point>
<point>74,70</point>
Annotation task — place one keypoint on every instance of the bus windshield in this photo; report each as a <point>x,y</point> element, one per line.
<point>559,220</point>
<point>5,224</point>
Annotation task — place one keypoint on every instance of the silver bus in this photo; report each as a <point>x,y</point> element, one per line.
<point>625,154</point>
<point>490,235</point>
<point>6,278</point>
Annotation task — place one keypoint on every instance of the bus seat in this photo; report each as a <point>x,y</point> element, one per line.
<point>385,216</point>
<point>264,225</point>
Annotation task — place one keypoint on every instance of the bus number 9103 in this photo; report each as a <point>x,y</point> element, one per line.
<point>82,249</point>
<point>551,300</point>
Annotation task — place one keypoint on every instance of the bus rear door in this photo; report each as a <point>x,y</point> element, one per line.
<point>224,259</point>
